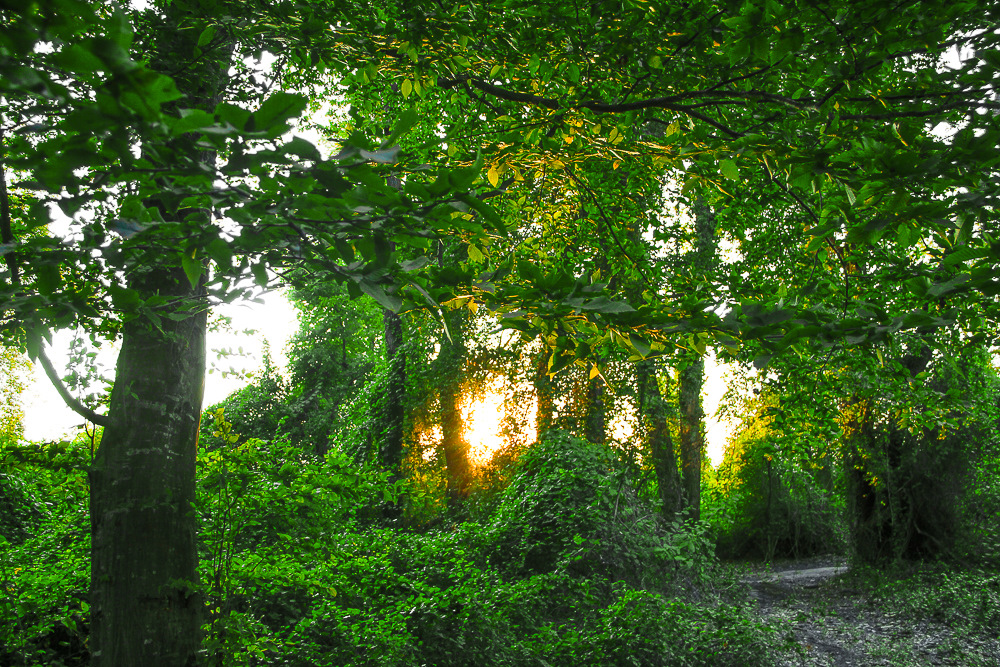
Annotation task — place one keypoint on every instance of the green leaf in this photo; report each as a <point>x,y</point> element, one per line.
<point>277,109</point>
<point>48,278</point>
<point>192,267</point>
<point>260,274</point>
<point>220,252</point>
<point>640,344</point>
<point>604,305</point>
<point>192,119</point>
<point>729,170</point>
<point>387,301</point>
<point>404,124</point>
<point>851,197</point>
<point>206,36</point>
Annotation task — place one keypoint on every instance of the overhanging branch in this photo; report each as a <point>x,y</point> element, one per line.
<point>74,403</point>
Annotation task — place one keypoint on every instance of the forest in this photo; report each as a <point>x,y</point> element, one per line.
<point>545,217</point>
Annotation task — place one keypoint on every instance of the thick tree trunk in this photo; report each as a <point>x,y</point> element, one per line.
<point>691,441</point>
<point>392,448</point>
<point>653,410</point>
<point>145,605</point>
<point>454,442</point>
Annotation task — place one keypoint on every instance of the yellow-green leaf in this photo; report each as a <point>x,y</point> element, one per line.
<point>729,170</point>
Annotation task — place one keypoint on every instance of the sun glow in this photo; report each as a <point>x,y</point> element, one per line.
<point>484,419</point>
<point>483,427</point>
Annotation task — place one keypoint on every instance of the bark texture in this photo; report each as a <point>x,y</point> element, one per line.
<point>653,409</point>
<point>690,433</point>
<point>145,604</point>
<point>595,420</point>
<point>145,608</point>
<point>691,377</point>
<point>454,442</point>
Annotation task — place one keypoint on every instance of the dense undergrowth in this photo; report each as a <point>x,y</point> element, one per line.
<point>309,560</point>
<point>301,566</point>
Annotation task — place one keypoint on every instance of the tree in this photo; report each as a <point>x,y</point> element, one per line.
<point>153,284</point>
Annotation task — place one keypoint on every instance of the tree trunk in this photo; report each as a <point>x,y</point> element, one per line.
<point>692,376</point>
<point>392,448</point>
<point>595,429</point>
<point>691,379</point>
<point>145,605</point>
<point>544,393</point>
<point>456,446</point>
<point>653,410</point>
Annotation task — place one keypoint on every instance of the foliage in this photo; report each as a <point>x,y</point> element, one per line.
<point>44,562</point>
<point>766,503</point>
<point>13,371</point>
<point>254,411</point>
<point>967,599</point>
<point>570,507</point>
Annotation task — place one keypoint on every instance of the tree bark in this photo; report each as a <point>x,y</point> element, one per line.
<point>595,421</point>
<point>653,409</point>
<point>692,376</point>
<point>392,448</point>
<point>691,379</point>
<point>453,439</point>
<point>145,605</point>
<point>146,608</point>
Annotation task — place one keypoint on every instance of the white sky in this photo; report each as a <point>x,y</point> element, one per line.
<point>48,418</point>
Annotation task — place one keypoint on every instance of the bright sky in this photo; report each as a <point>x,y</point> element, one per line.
<point>48,418</point>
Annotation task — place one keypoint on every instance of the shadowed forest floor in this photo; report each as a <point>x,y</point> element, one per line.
<point>836,621</point>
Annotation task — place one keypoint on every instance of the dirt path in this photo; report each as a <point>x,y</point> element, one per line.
<point>836,625</point>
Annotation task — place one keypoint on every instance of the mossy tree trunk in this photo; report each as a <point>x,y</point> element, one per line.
<point>653,410</point>
<point>692,446</point>
<point>595,415</point>
<point>691,376</point>
<point>145,605</point>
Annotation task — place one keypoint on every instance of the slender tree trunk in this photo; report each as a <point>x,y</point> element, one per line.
<point>456,446</point>
<point>653,410</point>
<point>692,376</point>
<point>392,449</point>
<point>145,605</point>
<point>691,379</point>
<point>544,390</point>
<point>595,427</point>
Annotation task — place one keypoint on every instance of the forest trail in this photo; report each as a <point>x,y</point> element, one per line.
<point>834,623</point>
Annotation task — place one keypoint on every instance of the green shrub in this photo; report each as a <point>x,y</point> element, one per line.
<point>45,569</point>
<point>571,506</point>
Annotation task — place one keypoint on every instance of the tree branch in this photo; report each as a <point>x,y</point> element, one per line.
<point>74,404</point>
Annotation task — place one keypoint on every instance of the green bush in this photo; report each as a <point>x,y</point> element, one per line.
<point>570,506</point>
<point>45,568</point>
